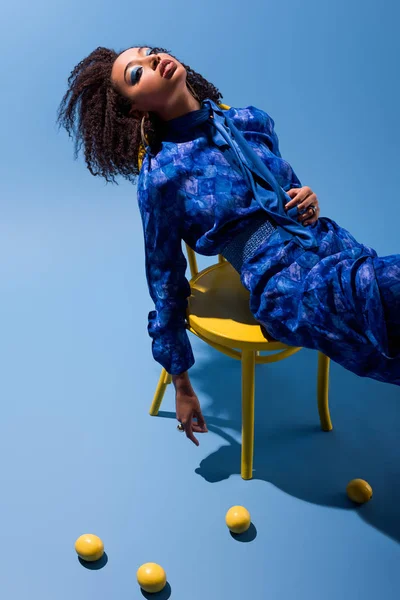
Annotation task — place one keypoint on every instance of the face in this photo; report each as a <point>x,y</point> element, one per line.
<point>144,76</point>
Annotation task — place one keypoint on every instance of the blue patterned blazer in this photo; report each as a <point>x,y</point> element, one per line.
<point>189,192</point>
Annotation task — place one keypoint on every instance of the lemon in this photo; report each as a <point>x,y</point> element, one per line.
<point>89,547</point>
<point>238,519</point>
<point>359,491</point>
<point>151,578</point>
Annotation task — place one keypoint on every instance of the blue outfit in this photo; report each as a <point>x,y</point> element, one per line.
<point>217,181</point>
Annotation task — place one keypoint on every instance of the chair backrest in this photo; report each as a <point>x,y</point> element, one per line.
<point>191,254</point>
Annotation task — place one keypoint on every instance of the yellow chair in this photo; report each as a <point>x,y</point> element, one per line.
<point>218,313</point>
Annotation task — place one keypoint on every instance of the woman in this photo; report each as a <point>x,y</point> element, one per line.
<point>214,177</point>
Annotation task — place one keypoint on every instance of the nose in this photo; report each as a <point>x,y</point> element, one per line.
<point>153,60</point>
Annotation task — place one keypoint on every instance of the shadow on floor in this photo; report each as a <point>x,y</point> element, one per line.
<point>246,537</point>
<point>163,595</point>
<point>95,565</point>
<point>291,451</point>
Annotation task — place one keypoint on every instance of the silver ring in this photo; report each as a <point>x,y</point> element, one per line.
<point>180,427</point>
<point>313,208</point>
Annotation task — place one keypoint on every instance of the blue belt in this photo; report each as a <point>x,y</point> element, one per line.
<point>245,244</point>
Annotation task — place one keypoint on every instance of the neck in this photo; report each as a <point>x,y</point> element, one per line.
<point>178,106</point>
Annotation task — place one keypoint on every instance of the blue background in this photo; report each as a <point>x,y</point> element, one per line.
<point>79,452</point>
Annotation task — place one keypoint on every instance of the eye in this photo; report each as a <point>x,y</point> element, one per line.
<point>136,74</point>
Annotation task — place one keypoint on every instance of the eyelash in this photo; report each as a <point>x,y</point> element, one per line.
<point>135,72</point>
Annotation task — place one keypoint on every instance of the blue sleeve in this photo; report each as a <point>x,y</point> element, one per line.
<point>165,266</point>
<point>272,141</point>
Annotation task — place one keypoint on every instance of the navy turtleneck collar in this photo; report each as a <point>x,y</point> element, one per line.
<point>182,127</point>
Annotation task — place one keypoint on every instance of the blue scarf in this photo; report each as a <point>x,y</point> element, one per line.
<point>266,190</point>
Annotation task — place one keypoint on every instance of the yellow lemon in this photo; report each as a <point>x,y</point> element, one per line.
<point>238,519</point>
<point>151,578</point>
<point>89,547</point>
<point>359,491</point>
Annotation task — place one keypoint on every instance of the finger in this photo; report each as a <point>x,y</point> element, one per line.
<point>294,202</point>
<point>305,216</point>
<point>200,426</point>
<point>308,200</point>
<point>310,221</point>
<point>200,419</point>
<point>198,429</point>
<point>188,425</point>
<point>190,436</point>
<point>299,198</point>
<point>291,204</point>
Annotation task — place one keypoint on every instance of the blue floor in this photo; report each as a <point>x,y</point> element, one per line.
<point>81,454</point>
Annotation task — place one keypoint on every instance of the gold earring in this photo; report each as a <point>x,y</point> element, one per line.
<point>145,142</point>
<point>192,91</point>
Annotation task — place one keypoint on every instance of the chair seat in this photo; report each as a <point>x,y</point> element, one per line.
<point>219,309</point>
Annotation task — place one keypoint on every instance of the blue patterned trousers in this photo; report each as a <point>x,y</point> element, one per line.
<point>340,298</point>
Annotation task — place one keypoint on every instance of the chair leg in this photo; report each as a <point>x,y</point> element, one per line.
<point>165,379</point>
<point>323,392</point>
<point>248,388</point>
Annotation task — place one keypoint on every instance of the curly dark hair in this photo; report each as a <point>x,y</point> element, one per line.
<point>98,116</point>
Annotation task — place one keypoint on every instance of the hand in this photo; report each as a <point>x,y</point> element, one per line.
<point>304,198</point>
<point>188,409</point>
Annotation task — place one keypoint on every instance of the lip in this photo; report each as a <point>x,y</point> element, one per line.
<point>163,64</point>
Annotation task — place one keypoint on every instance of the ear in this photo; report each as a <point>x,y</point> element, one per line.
<point>137,114</point>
